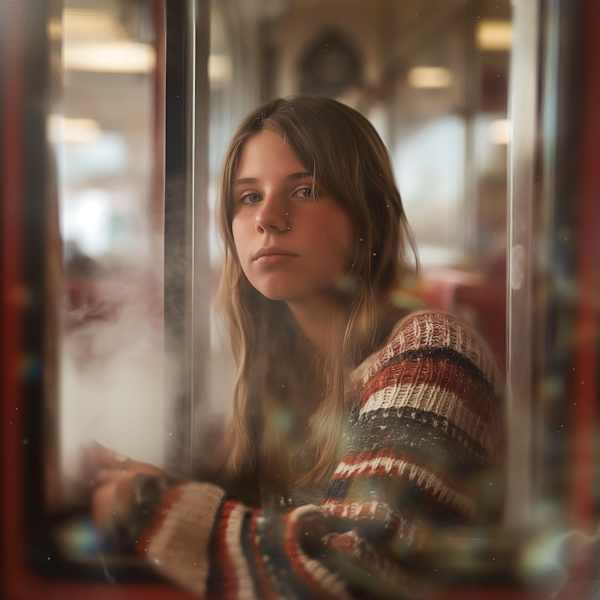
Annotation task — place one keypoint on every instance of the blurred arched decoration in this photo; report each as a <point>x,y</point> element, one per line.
<point>330,65</point>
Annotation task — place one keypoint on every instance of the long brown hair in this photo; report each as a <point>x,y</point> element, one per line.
<point>277,372</point>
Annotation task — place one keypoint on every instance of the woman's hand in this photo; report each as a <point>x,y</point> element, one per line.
<point>106,470</point>
<point>104,496</point>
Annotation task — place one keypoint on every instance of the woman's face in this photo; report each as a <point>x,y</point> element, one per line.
<point>292,246</point>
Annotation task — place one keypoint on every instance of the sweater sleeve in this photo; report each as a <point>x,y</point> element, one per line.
<point>420,448</point>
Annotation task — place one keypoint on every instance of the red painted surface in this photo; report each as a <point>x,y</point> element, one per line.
<point>479,300</point>
<point>585,377</point>
<point>585,384</point>
<point>11,152</point>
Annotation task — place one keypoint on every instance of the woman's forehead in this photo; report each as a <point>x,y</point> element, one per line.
<point>268,154</point>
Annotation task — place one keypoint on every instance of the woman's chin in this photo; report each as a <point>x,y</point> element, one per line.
<point>281,291</point>
<point>296,294</point>
<point>276,294</point>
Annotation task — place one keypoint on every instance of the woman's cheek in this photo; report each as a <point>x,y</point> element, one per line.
<point>240,240</point>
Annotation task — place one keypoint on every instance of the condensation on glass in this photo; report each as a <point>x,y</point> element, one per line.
<point>111,220</point>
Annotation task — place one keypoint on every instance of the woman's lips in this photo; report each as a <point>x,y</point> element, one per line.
<point>270,259</point>
<point>272,255</point>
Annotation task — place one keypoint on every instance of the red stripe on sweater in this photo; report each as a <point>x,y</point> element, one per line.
<point>230,584</point>
<point>381,471</point>
<point>360,510</point>
<point>266,591</point>
<point>293,533</point>
<point>439,373</point>
<point>419,461</point>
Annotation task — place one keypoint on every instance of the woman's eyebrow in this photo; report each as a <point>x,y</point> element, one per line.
<point>246,180</point>
<point>301,175</point>
<point>290,177</point>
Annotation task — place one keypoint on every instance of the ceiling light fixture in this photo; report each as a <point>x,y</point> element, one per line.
<point>429,77</point>
<point>499,132</point>
<point>494,35</point>
<point>109,57</point>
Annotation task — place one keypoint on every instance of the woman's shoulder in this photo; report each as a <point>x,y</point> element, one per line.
<point>433,334</point>
<point>438,370</point>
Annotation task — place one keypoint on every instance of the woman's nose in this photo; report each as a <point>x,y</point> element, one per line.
<point>273,215</point>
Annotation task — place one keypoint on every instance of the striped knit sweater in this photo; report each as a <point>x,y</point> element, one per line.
<point>421,442</point>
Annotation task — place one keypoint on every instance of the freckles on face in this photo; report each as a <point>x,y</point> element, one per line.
<point>293,240</point>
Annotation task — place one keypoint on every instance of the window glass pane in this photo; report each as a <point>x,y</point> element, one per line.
<point>111,221</point>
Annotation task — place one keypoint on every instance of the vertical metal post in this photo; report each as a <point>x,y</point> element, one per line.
<point>186,245</point>
<point>521,169</point>
<point>179,209</point>
<point>469,242</point>
<point>201,272</point>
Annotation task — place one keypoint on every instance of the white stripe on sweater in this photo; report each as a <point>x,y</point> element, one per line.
<point>454,336</point>
<point>440,402</point>
<point>236,554</point>
<point>179,549</point>
<point>423,478</point>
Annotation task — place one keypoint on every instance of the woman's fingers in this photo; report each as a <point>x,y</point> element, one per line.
<point>95,458</point>
<point>105,471</point>
<point>107,458</point>
<point>100,457</point>
<point>145,468</point>
<point>106,475</point>
<point>103,500</point>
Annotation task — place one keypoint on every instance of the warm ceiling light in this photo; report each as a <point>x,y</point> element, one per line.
<point>86,24</point>
<point>220,68</point>
<point>494,35</point>
<point>72,131</point>
<point>54,29</point>
<point>109,57</point>
<point>499,132</point>
<point>429,77</point>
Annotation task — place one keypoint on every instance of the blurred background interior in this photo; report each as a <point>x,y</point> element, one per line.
<point>432,77</point>
<point>120,112</point>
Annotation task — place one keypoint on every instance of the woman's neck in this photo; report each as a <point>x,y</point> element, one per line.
<point>319,316</point>
<point>316,317</point>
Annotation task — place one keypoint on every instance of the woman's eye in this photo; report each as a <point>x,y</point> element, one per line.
<point>308,193</point>
<point>251,198</point>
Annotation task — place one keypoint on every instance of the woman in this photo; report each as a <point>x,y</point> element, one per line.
<point>357,426</point>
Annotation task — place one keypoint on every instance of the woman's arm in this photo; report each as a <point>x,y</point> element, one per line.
<point>420,450</point>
